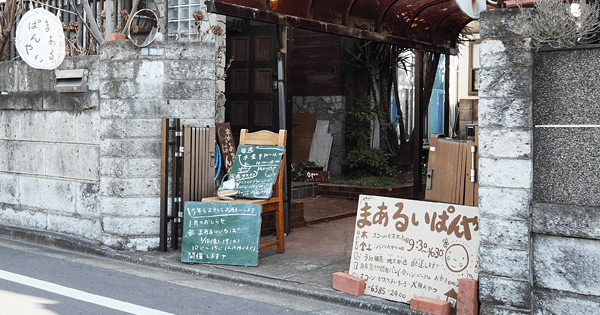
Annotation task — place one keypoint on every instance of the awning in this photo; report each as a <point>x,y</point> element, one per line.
<point>430,25</point>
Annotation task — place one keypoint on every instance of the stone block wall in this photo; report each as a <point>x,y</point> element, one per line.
<point>50,150</point>
<point>539,194</point>
<point>566,194</point>
<point>136,92</point>
<point>329,108</point>
<point>88,164</point>
<point>505,173</point>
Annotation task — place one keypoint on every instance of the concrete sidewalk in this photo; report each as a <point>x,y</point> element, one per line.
<point>312,255</point>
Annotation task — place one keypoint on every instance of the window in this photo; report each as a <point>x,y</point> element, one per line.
<point>474,67</point>
<point>181,17</point>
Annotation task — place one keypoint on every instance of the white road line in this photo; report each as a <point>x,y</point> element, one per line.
<point>567,126</point>
<point>79,295</point>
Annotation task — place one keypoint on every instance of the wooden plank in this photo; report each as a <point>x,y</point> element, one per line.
<point>461,195</point>
<point>314,69</point>
<point>330,48</point>
<point>211,169</point>
<point>333,60</point>
<point>164,184</point>
<point>187,163</point>
<point>317,79</point>
<point>448,189</point>
<point>202,157</point>
<point>177,207</point>
<point>316,90</point>
<point>312,38</point>
<point>263,137</point>
<point>302,134</point>
<point>195,170</point>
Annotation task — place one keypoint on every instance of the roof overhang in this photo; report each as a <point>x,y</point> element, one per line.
<point>430,25</point>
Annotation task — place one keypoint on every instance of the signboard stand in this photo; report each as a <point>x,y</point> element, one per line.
<point>406,248</point>
<point>221,233</point>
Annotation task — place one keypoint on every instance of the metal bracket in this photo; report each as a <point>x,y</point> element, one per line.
<point>213,159</point>
<point>177,199</point>
<point>429,177</point>
<point>177,154</point>
<point>180,214</point>
<point>473,170</point>
<point>178,133</point>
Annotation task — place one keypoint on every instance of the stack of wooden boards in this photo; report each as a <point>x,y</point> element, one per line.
<point>311,141</point>
<point>449,171</point>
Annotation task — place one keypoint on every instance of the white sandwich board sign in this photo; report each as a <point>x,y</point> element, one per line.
<point>407,248</point>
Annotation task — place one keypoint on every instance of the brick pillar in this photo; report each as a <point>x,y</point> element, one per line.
<point>505,148</point>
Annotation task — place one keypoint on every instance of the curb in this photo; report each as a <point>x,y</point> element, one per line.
<point>68,242</point>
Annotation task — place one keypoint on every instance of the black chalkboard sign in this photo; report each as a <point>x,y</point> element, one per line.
<point>221,233</point>
<point>255,170</point>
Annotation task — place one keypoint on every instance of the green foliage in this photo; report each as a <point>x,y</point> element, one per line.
<point>369,181</point>
<point>358,128</point>
<point>374,161</point>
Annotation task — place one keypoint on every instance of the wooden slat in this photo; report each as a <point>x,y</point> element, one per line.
<point>205,157</point>
<point>187,163</point>
<point>176,186</point>
<point>263,137</point>
<point>212,133</point>
<point>463,160</point>
<point>164,185</point>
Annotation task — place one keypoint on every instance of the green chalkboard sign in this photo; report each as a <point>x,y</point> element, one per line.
<point>221,233</point>
<point>255,170</point>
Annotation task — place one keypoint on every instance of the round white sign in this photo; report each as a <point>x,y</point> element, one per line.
<point>40,39</point>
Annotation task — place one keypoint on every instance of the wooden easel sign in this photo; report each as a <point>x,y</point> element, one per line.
<point>406,248</point>
<point>221,233</point>
<point>255,170</point>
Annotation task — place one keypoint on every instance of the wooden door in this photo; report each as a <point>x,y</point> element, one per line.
<point>252,101</point>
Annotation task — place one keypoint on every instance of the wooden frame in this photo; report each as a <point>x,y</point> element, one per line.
<point>275,203</point>
<point>472,67</point>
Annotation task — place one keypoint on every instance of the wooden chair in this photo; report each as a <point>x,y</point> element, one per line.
<point>275,203</point>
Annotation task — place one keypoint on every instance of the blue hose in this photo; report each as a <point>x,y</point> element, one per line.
<point>218,161</point>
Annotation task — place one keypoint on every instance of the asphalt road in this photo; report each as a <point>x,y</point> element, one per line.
<point>46,281</point>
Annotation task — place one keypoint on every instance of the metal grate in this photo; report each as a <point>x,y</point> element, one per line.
<point>188,156</point>
<point>63,8</point>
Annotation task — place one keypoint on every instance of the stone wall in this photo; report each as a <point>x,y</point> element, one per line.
<point>49,150</point>
<point>330,108</point>
<point>566,194</point>
<point>539,193</point>
<point>505,167</point>
<point>88,164</point>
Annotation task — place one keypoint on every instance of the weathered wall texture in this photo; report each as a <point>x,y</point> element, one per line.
<point>49,151</point>
<point>88,164</point>
<point>539,195</point>
<point>330,108</point>
<point>505,178</point>
<point>566,194</point>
